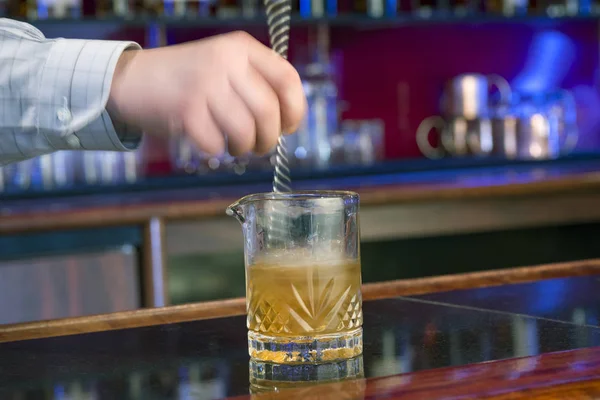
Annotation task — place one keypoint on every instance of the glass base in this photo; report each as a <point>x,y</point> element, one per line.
<point>271,377</point>
<point>305,349</point>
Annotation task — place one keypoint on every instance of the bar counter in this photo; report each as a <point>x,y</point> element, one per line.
<point>529,333</point>
<point>531,179</point>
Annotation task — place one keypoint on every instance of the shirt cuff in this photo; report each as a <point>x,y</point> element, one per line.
<point>74,91</point>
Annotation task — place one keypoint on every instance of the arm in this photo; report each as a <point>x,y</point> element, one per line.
<point>54,94</point>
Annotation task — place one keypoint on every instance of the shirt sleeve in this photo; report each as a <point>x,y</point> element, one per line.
<point>53,94</point>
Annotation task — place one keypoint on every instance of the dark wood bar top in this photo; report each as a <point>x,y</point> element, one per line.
<point>392,188</point>
<point>530,334</point>
<point>563,375</point>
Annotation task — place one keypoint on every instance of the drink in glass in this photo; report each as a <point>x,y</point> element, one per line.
<point>303,275</point>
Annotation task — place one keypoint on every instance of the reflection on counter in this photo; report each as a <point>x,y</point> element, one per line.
<point>208,359</point>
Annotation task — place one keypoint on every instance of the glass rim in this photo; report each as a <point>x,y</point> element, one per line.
<point>299,195</point>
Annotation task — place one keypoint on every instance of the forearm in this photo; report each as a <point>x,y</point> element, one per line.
<point>54,94</point>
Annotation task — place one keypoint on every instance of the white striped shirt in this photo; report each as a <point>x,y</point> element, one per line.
<point>53,94</point>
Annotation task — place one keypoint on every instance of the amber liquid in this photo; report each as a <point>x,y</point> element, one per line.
<point>304,299</point>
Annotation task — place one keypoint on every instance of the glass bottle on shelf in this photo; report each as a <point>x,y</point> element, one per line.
<point>63,8</point>
<point>32,9</point>
<point>561,8</point>
<point>114,8</point>
<point>15,9</point>
<point>175,8</point>
<point>228,9</point>
<point>122,8</point>
<point>251,8</point>
<point>154,8</point>
<point>201,8</point>
<point>375,8</point>
<point>102,8</point>
<point>515,7</point>
<point>313,145</point>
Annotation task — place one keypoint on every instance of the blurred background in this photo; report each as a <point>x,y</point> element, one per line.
<point>399,91</point>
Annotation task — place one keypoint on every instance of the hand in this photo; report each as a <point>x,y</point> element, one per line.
<point>229,85</point>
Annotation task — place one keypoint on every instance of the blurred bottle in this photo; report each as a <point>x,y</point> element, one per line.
<point>376,8</point>
<point>32,10</point>
<point>114,8</point>
<point>507,8</point>
<point>16,9</point>
<point>43,9</point>
<point>201,8</point>
<point>122,8</point>
<point>228,9</point>
<point>316,8</point>
<point>359,143</point>
<point>111,167</point>
<point>561,8</point>
<point>186,158</point>
<point>153,8</point>
<point>175,8</point>
<point>252,8</point>
<point>313,139</point>
<point>45,172</point>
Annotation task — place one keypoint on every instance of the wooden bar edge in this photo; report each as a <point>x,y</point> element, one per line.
<point>233,307</point>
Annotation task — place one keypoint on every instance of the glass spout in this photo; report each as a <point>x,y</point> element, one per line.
<point>236,210</point>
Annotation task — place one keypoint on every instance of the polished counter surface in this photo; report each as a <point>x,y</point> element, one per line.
<point>401,335</point>
<point>423,346</point>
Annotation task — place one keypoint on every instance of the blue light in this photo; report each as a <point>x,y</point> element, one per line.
<point>549,59</point>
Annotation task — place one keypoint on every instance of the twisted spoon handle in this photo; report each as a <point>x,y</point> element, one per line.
<point>278,19</point>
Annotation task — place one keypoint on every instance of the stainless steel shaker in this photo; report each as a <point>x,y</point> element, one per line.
<point>465,127</point>
<point>468,95</point>
<point>457,137</point>
<point>504,136</point>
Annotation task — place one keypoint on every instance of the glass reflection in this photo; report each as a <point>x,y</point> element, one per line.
<point>342,377</point>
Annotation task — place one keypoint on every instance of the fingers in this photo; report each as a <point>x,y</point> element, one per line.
<point>247,92</point>
<point>263,103</point>
<point>231,113</point>
<point>285,82</point>
<point>200,126</point>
